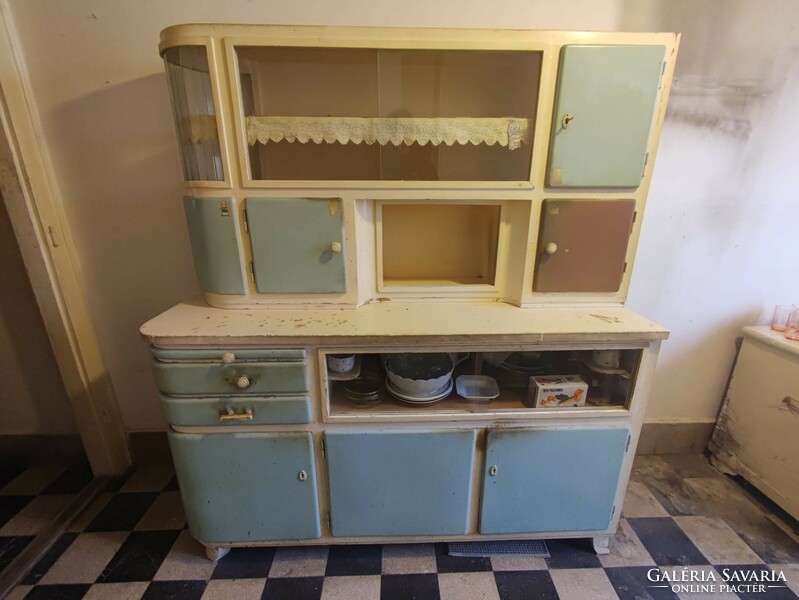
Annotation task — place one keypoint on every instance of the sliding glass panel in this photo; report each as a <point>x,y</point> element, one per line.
<point>399,115</point>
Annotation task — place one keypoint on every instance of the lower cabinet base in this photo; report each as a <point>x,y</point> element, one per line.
<point>600,541</point>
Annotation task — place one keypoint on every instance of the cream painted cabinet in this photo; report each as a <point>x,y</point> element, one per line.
<point>757,432</point>
<point>472,194</point>
<point>364,165</point>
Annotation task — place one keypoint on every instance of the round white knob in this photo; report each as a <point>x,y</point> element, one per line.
<point>335,247</point>
<point>551,248</point>
<point>228,358</point>
<point>243,382</point>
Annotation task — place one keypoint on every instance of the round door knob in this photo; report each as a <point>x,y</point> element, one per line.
<point>335,247</point>
<point>228,358</point>
<point>243,382</point>
<point>551,248</point>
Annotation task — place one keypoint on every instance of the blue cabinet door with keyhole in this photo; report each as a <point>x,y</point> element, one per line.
<point>239,487</point>
<point>297,245</point>
<point>215,244</point>
<point>399,482</point>
<point>551,480</point>
<point>603,115</point>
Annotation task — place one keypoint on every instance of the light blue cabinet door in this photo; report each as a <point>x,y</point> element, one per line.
<point>551,480</point>
<point>239,487</point>
<point>215,244</point>
<point>603,114</point>
<point>292,245</point>
<point>399,482</point>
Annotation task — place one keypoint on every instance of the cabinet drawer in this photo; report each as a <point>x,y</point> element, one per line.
<point>236,410</point>
<point>206,372</point>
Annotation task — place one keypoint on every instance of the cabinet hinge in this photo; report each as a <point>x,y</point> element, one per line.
<point>624,269</point>
<point>252,271</point>
<point>627,447</point>
<point>327,521</point>
<point>612,511</point>
<point>324,449</point>
<point>646,160</point>
<point>635,215</point>
<point>246,222</point>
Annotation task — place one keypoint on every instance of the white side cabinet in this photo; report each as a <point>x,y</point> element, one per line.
<point>757,433</point>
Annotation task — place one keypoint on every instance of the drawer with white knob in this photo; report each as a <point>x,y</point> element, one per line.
<point>191,411</point>
<point>212,372</point>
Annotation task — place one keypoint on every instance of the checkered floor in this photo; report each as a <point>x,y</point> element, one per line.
<point>132,543</point>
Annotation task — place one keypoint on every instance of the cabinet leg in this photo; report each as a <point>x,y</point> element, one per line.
<point>722,465</point>
<point>214,553</point>
<point>601,544</point>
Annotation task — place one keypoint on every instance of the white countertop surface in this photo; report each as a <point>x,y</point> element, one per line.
<point>196,323</point>
<point>776,339</point>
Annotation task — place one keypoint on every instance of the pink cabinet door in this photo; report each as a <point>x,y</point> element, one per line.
<point>582,245</point>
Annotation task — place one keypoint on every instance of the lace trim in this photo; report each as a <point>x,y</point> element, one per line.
<point>505,131</point>
<point>196,129</point>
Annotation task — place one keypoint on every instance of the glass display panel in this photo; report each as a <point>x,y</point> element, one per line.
<point>398,115</point>
<point>193,110</point>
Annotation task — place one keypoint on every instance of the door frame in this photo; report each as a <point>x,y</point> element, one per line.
<point>30,191</point>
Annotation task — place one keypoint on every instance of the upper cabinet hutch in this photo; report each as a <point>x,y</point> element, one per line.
<point>474,191</point>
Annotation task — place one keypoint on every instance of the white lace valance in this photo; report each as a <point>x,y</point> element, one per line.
<point>505,131</point>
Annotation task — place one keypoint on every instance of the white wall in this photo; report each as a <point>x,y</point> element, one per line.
<point>715,249</point>
<point>32,396</point>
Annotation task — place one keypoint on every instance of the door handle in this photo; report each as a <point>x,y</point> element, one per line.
<point>227,415</point>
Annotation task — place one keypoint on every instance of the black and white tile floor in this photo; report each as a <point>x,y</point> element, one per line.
<point>132,543</point>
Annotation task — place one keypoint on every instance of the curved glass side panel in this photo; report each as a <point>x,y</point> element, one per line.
<point>193,108</point>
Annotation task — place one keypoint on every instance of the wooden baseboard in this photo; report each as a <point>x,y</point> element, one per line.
<point>675,437</point>
<point>30,450</point>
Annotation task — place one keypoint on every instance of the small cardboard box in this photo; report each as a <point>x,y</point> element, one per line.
<point>556,391</point>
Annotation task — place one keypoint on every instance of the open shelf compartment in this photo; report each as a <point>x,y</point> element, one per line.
<point>424,245</point>
<point>609,389</point>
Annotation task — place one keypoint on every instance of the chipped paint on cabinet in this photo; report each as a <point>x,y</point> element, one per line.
<point>247,486</point>
<point>297,245</point>
<point>551,480</point>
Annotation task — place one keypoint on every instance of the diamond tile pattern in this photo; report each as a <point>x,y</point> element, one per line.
<point>132,543</point>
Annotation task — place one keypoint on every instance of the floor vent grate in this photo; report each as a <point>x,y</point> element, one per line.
<point>502,548</point>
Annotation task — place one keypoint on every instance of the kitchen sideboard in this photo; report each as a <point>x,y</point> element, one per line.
<point>364,204</point>
<point>269,449</point>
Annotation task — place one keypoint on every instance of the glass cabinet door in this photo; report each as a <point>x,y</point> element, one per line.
<point>193,109</point>
<point>399,115</point>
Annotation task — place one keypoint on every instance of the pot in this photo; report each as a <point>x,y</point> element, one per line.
<point>418,374</point>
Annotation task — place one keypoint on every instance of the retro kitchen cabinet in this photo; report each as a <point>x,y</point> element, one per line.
<point>372,191</point>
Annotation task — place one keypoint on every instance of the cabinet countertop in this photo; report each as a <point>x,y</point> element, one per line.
<point>775,339</point>
<point>196,323</point>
